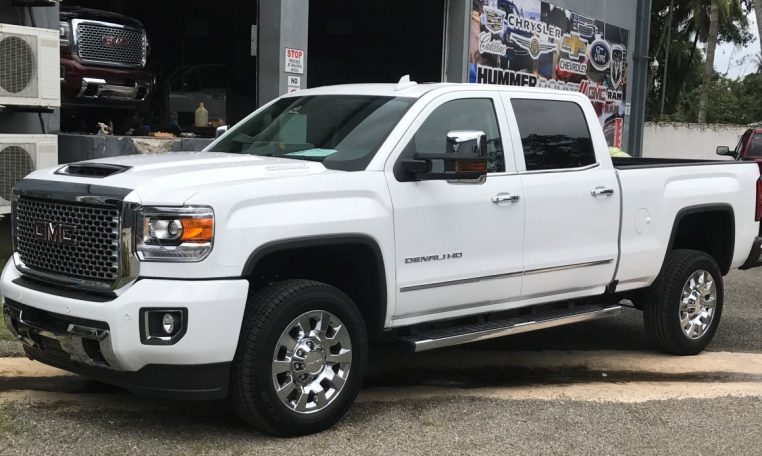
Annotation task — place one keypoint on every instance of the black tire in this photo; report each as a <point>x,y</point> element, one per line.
<point>269,312</point>
<point>661,311</point>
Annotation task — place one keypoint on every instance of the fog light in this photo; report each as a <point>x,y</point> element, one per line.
<point>162,326</point>
<point>168,322</point>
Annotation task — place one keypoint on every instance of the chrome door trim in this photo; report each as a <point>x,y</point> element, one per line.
<point>561,170</point>
<point>506,275</point>
<point>568,266</point>
<point>448,283</point>
<point>493,302</point>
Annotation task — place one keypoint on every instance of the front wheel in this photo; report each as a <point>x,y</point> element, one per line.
<point>301,358</point>
<point>685,303</point>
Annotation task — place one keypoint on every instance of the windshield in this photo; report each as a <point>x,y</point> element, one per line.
<point>343,132</point>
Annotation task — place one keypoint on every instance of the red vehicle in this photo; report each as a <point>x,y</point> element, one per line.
<point>103,66</point>
<point>748,148</point>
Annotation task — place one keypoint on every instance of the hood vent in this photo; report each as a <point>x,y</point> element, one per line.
<point>96,170</point>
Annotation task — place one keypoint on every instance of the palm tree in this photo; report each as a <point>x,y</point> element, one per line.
<point>711,45</point>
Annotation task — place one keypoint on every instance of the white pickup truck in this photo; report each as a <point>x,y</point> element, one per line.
<point>436,214</point>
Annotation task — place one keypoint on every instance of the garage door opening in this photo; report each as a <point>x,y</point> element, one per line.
<point>375,41</point>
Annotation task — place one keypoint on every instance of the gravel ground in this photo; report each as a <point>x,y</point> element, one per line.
<point>449,426</point>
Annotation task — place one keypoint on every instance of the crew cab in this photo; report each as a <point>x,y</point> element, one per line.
<point>749,147</point>
<point>431,214</point>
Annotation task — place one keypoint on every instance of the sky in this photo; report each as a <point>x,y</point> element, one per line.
<point>738,61</point>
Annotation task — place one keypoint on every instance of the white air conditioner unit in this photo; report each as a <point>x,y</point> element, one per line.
<point>30,68</point>
<point>19,156</point>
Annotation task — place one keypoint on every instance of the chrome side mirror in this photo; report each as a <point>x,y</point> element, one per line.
<point>464,159</point>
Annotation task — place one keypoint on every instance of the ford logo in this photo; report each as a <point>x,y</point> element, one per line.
<point>600,54</point>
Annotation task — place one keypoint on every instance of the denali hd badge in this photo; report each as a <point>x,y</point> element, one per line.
<point>440,257</point>
<point>55,232</point>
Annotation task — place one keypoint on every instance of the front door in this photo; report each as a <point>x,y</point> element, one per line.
<point>458,244</point>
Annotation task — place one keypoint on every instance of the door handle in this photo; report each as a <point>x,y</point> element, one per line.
<point>505,197</point>
<point>602,191</point>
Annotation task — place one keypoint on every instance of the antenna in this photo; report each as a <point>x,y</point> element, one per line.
<point>405,83</point>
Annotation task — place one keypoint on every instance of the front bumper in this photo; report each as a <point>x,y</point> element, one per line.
<point>755,257</point>
<point>88,85</point>
<point>102,339</point>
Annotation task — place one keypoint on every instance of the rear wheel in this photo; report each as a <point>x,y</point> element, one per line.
<point>685,303</point>
<point>301,358</point>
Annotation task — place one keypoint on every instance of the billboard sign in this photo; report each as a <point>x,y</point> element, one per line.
<point>534,43</point>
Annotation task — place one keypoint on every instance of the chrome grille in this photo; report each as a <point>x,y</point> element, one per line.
<point>100,43</point>
<point>93,252</point>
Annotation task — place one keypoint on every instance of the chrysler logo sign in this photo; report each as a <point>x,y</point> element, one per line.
<point>55,232</point>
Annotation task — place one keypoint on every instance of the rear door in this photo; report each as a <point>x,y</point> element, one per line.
<point>571,197</point>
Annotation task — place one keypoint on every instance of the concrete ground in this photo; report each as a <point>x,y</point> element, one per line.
<point>594,388</point>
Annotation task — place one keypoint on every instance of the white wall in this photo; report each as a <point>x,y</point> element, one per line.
<point>684,140</point>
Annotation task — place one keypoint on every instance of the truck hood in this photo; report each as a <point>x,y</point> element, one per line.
<point>69,12</point>
<point>173,178</point>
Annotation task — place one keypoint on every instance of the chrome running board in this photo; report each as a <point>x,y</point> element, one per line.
<point>498,328</point>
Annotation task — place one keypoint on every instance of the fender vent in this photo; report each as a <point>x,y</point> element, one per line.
<point>97,170</point>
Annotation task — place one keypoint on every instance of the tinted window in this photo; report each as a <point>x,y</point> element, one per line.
<point>476,114</point>
<point>755,148</point>
<point>554,134</point>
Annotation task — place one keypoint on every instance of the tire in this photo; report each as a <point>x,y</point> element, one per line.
<point>672,298</point>
<point>271,338</point>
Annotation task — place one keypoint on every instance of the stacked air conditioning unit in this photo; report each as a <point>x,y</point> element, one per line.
<point>29,67</point>
<point>19,156</point>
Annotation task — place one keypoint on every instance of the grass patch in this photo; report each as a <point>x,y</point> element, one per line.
<point>6,423</point>
<point>5,240</point>
<point>5,334</point>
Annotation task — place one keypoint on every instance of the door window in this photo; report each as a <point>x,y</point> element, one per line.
<point>476,114</point>
<point>554,134</point>
<point>755,148</point>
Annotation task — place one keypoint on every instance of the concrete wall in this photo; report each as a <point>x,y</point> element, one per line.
<point>682,140</point>
<point>25,122</point>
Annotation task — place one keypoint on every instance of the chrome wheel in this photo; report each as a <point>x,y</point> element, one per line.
<point>698,304</point>
<point>311,361</point>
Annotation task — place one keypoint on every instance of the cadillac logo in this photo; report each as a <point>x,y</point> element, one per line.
<point>113,41</point>
<point>55,232</point>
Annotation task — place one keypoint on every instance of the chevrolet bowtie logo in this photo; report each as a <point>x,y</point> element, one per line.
<point>574,45</point>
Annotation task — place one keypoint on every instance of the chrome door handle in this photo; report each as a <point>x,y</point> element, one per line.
<point>602,191</point>
<point>505,197</point>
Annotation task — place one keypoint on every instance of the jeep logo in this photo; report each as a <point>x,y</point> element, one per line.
<point>113,41</point>
<point>55,232</point>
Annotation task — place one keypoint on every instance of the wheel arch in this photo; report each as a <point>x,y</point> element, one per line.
<point>324,258</point>
<point>716,238</point>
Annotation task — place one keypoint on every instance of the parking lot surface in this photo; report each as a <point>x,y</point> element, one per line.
<point>595,388</point>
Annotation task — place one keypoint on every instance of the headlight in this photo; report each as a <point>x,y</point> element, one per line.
<point>175,234</point>
<point>64,34</point>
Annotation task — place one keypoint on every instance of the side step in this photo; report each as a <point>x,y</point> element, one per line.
<point>498,328</point>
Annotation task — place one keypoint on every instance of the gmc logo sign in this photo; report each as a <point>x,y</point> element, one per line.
<point>55,232</point>
<point>113,41</point>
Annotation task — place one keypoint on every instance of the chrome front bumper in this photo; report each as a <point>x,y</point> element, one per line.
<point>94,88</point>
<point>83,344</point>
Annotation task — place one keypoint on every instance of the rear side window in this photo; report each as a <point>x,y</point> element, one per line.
<point>554,134</point>
<point>755,148</point>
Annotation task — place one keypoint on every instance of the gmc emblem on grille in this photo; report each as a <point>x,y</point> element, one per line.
<point>113,41</point>
<point>55,232</point>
